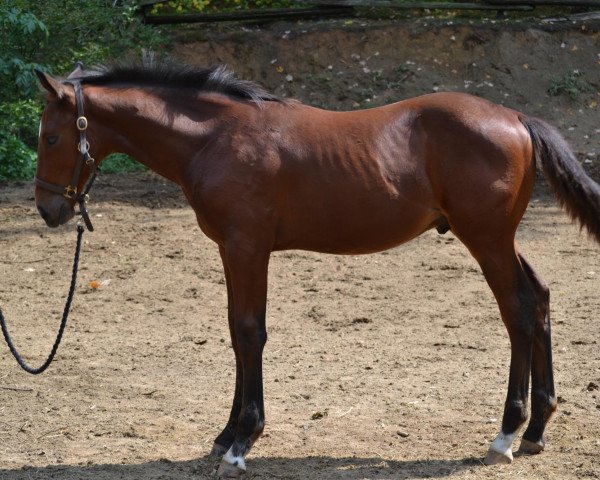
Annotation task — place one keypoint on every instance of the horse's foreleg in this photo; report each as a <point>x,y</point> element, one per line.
<point>225,439</point>
<point>248,284</point>
<point>543,397</point>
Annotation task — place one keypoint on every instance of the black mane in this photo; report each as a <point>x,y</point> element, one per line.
<point>169,75</point>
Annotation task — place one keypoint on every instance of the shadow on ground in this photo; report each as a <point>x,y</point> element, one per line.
<point>260,468</point>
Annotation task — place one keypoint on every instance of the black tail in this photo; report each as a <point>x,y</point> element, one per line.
<point>574,190</point>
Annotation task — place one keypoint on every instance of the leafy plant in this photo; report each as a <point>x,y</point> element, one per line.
<point>21,32</point>
<point>120,163</point>
<point>571,83</point>
<point>211,6</point>
<point>18,132</point>
<point>17,161</point>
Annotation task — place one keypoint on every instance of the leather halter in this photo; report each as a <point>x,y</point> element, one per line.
<point>84,157</point>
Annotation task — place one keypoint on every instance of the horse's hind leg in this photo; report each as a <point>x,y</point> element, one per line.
<point>517,300</point>
<point>543,398</point>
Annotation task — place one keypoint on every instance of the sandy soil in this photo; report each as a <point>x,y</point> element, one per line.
<point>387,366</point>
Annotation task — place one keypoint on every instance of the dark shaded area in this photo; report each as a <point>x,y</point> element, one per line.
<point>312,468</point>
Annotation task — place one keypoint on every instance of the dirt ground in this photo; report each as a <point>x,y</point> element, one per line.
<point>387,366</point>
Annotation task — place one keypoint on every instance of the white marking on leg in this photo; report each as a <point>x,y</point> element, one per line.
<point>503,444</point>
<point>239,462</point>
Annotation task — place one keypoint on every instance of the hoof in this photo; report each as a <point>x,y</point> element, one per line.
<point>528,447</point>
<point>227,470</point>
<point>495,458</point>
<point>218,450</point>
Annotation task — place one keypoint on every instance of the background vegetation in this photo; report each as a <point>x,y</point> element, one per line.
<point>51,36</point>
<point>210,6</point>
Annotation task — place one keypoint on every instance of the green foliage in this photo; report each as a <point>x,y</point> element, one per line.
<point>571,84</point>
<point>120,163</point>
<point>21,32</point>
<point>17,161</point>
<point>51,36</point>
<point>18,131</point>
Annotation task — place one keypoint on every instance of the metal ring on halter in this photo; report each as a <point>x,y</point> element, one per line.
<point>90,161</point>
<point>82,123</point>
<point>87,147</point>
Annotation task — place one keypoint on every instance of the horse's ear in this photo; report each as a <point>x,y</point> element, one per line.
<point>50,84</point>
<point>78,71</point>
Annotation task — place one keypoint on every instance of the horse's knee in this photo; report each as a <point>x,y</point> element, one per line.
<point>250,331</point>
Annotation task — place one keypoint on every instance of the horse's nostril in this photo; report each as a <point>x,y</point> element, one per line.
<point>43,213</point>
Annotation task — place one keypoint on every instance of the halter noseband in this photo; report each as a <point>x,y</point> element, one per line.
<point>84,157</point>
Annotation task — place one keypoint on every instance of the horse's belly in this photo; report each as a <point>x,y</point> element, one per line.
<point>355,232</point>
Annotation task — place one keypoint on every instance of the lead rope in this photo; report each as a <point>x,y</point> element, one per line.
<point>63,322</point>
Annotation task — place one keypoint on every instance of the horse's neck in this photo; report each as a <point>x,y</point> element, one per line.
<point>163,133</point>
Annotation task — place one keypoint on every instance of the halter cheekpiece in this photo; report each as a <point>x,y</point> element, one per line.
<point>84,157</point>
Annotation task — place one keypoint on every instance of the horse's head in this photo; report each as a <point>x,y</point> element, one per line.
<point>64,163</point>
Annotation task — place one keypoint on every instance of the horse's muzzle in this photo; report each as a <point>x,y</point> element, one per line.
<point>57,212</point>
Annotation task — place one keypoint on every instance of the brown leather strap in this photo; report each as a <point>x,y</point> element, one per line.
<point>49,186</point>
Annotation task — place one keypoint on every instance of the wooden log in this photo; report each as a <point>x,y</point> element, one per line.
<point>247,15</point>
<point>539,3</point>
<point>418,5</point>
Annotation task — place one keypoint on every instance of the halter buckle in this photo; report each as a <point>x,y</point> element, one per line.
<point>90,161</point>
<point>81,123</point>
<point>70,192</point>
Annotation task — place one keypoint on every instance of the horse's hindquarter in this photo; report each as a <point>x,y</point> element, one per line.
<point>479,162</point>
<point>351,182</point>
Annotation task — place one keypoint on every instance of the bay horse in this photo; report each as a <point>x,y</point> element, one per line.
<point>264,174</point>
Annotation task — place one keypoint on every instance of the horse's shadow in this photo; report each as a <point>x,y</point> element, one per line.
<point>305,468</point>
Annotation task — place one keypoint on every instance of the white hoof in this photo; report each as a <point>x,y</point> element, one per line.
<point>501,449</point>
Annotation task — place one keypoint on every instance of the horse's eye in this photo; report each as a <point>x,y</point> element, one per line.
<point>52,139</point>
